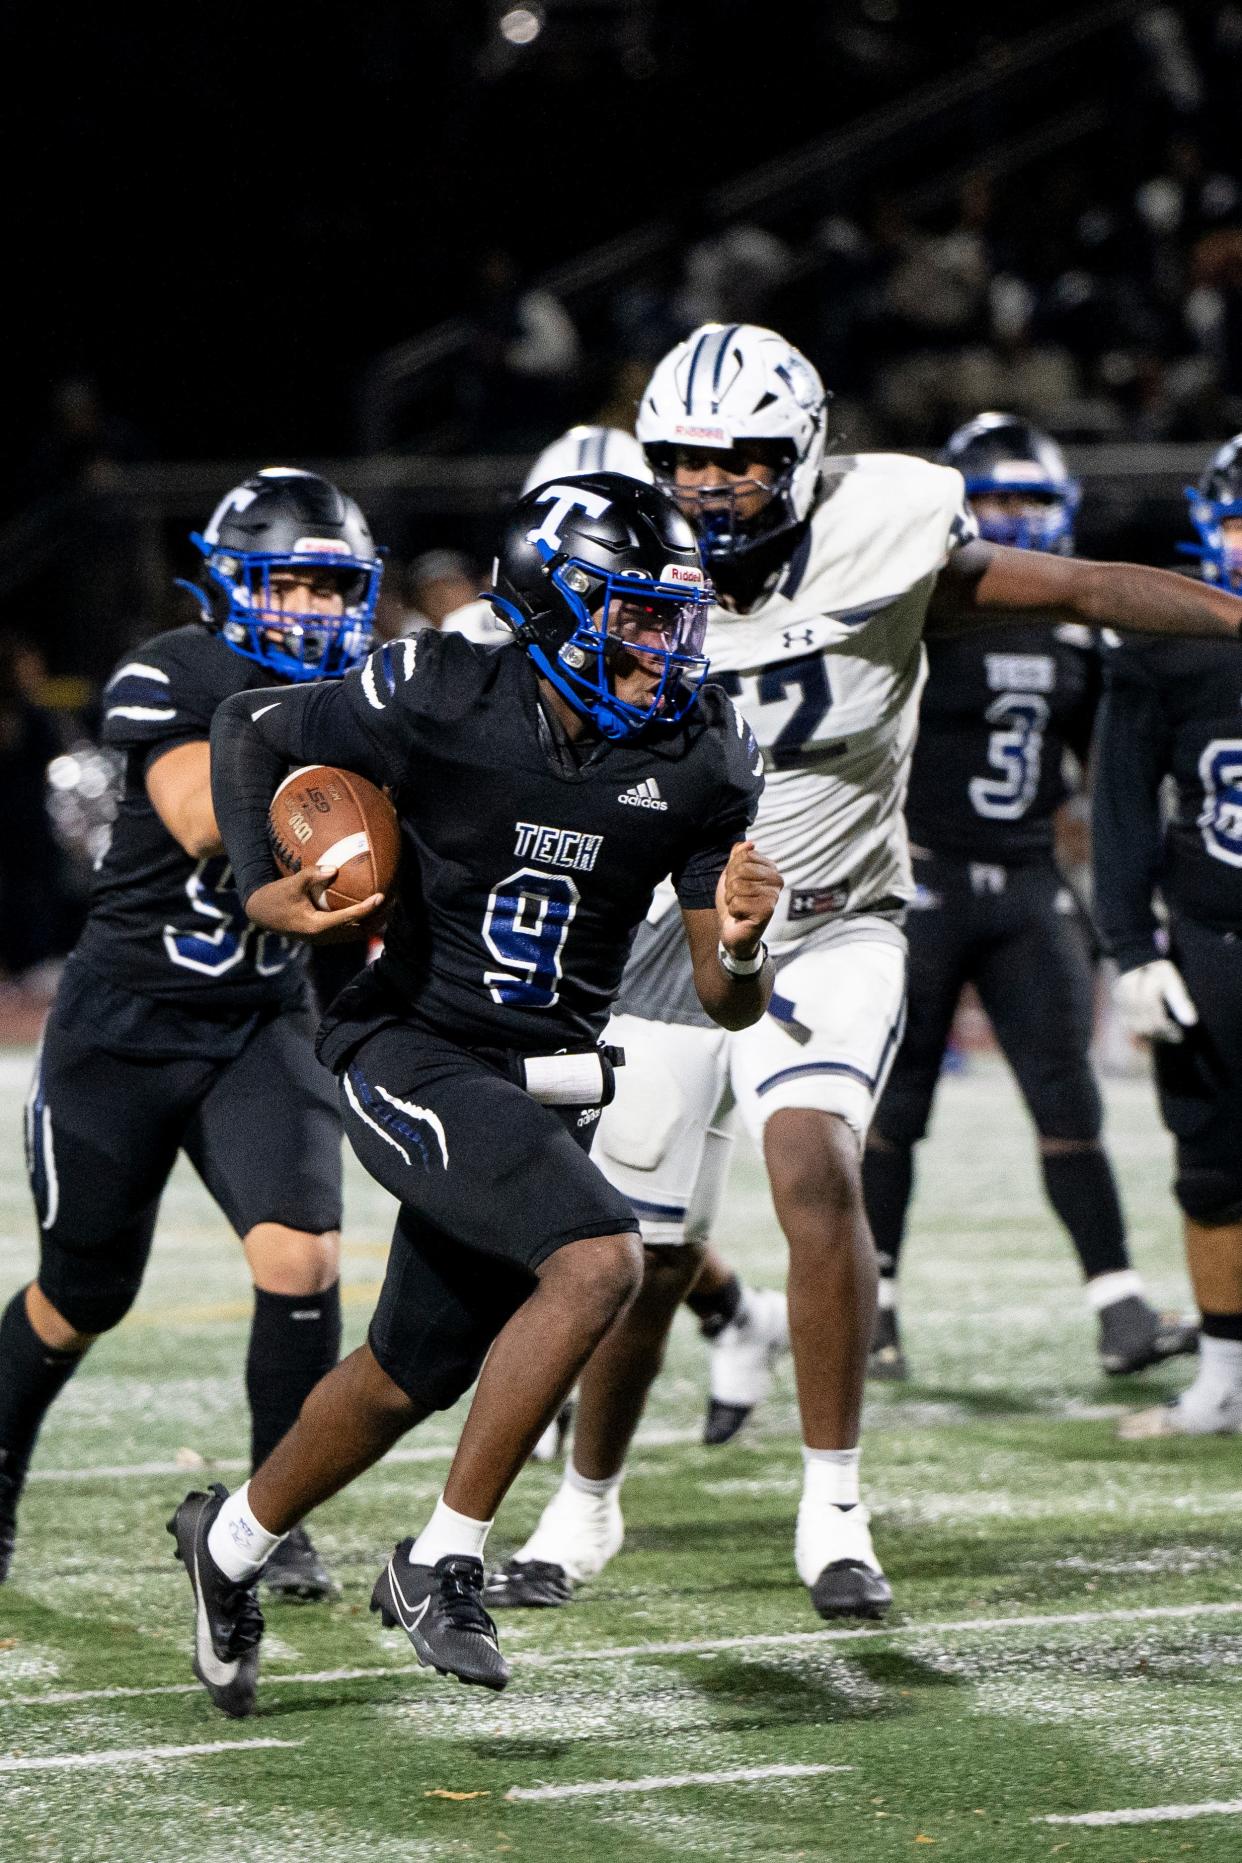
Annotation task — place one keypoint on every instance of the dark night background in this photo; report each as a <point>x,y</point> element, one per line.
<point>222,212</point>
<point>410,244</point>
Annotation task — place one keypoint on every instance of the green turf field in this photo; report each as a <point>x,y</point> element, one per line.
<point>1067,1638</point>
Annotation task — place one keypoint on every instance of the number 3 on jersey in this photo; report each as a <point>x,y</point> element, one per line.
<point>1016,749</point>
<point>525,927</point>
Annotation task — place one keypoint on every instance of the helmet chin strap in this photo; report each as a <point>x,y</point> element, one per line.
<point>607,721</point>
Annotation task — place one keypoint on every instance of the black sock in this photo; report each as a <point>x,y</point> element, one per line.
<point>714,1311</point>
<point>1221,1325</point>
<point>1083,1192</point>
<point>32,1376</point>
<point>888,1180</point>
<point>294,1340</point>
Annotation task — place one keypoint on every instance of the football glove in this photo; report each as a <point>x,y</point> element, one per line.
<point>1154,1002</point>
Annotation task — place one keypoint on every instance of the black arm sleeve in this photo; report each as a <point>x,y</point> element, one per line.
<point>1131,759</point>
<point>256,738</point>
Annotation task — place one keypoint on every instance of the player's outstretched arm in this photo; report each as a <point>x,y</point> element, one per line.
<point>732,971</point>
<point>984,583</point>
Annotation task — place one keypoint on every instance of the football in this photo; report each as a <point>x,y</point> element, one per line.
<point>321,816</point>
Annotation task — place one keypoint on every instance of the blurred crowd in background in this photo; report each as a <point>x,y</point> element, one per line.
<point>1044,216</point>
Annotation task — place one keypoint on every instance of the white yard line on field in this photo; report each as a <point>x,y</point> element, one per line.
<point>135,1756</point>
<point>1147,1814</point>
<point>604,1788</point>
<point>707,1646</point>
<point>423,1452</point>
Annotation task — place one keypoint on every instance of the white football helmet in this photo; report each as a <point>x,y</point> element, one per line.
<point>589,449</point>
<point>732,382</point>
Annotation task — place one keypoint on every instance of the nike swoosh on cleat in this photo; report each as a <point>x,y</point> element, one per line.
<point>218,1673</point>
<point>416,1618</point>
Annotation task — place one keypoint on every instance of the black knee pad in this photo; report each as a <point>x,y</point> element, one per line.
<point>433,1381</point>
<point>1209,1193</point>
<point>88,1294</point>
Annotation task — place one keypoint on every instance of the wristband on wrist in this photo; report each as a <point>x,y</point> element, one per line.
<point>743,966</point>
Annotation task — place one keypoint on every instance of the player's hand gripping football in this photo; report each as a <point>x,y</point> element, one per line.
<point>292,906</point>
<point>746,896</point>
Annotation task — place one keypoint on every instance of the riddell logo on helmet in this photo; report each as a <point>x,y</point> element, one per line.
<point>701,435</point>
<point>683,573</point>
<point>320,546</point>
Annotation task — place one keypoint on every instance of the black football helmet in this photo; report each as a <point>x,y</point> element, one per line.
<point>590,566</point>
<point>1218,496</point>
<point>284,518</point>
<point>998,454</point>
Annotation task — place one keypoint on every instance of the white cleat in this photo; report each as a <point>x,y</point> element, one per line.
<point>742,1357</point>
<point>837,1562</point>
<point>1194,1413</point>
<point>576,1537</point>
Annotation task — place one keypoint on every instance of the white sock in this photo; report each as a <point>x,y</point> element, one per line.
<point>1220,1367</point>
<point>449,1533</point>
<point>238,1542</point>
<point>830,1477</point>
<point>1105,1290</point>
<point>582,1484</point>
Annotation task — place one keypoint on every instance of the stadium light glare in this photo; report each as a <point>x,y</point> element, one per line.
<point>521,25</point>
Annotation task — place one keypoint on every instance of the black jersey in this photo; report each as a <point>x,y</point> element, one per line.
<point>163,925</point>
<point>1000,709</point>
<point>525,870</point>
<point>1172,709</point>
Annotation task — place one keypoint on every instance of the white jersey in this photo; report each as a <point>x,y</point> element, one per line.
<point>827,668</point>
<point>478,621</point>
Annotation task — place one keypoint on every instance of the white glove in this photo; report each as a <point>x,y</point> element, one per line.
<point>1154,1001</point>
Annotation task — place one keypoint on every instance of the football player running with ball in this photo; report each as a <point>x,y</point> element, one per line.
<point>828,572</point>
<point>470,1072</point>
<point>1172,713</point>
<point>179,1026</point>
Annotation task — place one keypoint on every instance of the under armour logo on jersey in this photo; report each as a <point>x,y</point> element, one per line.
<point>562,499</point>
<point>643,796</point>
<point>798,637</point>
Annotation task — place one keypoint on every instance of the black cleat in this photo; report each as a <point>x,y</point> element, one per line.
<point>848,1588</point>
<point>228,1623</point>
<point>530,1584</point>
<point>295,1573</point>
<point>723,1421</point>
<point>441,1611</point>
<point>1133,1336</point>
<point>10,1488</point>
<point>886,1362</point>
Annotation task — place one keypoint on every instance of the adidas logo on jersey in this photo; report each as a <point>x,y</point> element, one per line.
<point>643,796</point>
